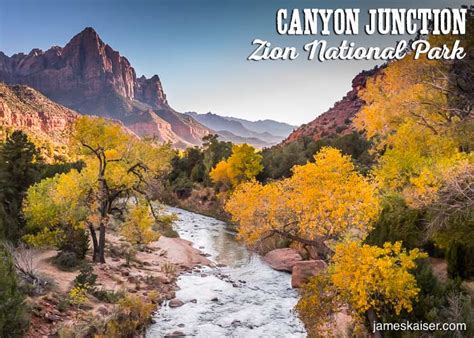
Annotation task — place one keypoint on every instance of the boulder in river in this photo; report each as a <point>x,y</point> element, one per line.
<point>283,259</point>
<point>303,270</point>
<point>175,302</point>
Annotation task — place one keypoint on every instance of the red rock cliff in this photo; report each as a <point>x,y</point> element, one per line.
<point>338,119</point>
<point>24,108</point>
<point>89,76</point>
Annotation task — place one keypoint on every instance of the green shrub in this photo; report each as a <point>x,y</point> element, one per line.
<point>86,277</point>
<point>18,170</point>
<point>63,304</point>
<point>13,317</point>
<point>279,160</point>
<point>434,302</point>
<point>398,222</point>
<point>108,296</point>
<point>76,241</point>
<point>66,261</point>
<point>460,260</point>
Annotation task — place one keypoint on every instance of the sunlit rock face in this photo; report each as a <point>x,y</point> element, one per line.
<point>89,76</point>
<point>338,119</point>
<point>24,108</point>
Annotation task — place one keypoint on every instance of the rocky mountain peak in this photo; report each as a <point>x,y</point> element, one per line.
<point>89,76</point>
<point>151,91</point>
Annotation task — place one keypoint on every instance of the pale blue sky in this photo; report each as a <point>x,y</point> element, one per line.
<point>199,49</point>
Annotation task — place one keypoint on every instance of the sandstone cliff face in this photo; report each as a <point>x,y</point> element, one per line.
<point>24,108</point>
<point>338,119</point>
<point>89,76</point>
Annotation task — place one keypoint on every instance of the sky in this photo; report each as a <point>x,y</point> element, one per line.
<point>199,48</point>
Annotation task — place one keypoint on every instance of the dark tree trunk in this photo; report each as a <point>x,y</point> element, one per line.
<point>95,244</point>
<point>102,242</point>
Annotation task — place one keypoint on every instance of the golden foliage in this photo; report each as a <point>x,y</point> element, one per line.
<point>243,165</point>
<point>132,314</point>
<point>361,278</point>
<point>319,302</point>
<point>137,228</point>
<point>326,199</point>
<point>78,295</point>
<point>54,202</point>
<point>370,277</point>
<point>410,115</point>
<point>111,155</point>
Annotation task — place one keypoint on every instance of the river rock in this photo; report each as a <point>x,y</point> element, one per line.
<point>283,259</point>
<point>176,334</point>
<point>303,270</point>
<point>175,302</point>
<point>236,323</point>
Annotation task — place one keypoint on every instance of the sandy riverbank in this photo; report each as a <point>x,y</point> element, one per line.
<point>153,269</point>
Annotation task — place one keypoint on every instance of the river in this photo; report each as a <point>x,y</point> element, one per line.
<point>240,297</point>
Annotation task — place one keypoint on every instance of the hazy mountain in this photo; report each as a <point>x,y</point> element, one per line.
<point>225,135</point>
<point>261,126</point>
<point>238,130</point>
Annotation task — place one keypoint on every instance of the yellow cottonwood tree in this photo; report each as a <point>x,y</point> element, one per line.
<point>56,202</point>
<point>420,117</point>
<point>118,165</point>
<point>321,201</point>
<point>368,279</point>
<point>243,165</point>
<point>371,277</point>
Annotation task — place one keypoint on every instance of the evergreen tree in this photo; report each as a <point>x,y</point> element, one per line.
<point>17,172</point>
<point>12,308</point>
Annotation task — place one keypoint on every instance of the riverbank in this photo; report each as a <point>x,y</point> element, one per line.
<point>201,200</point>
<point>149,278</point>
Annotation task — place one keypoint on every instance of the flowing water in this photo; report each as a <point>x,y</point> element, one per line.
<point>240,297</point>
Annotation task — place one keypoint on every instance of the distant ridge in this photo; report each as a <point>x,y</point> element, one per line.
<point>259,133</point>
<point>261,126</point>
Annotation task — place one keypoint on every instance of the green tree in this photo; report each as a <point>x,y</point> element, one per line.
<point>279,160</point>
<point>398,222</point>
<point>214,151</point>
<point>12,308</point>
<point>194,164</point>
<point>243,165</point>
<point>17,172</point>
